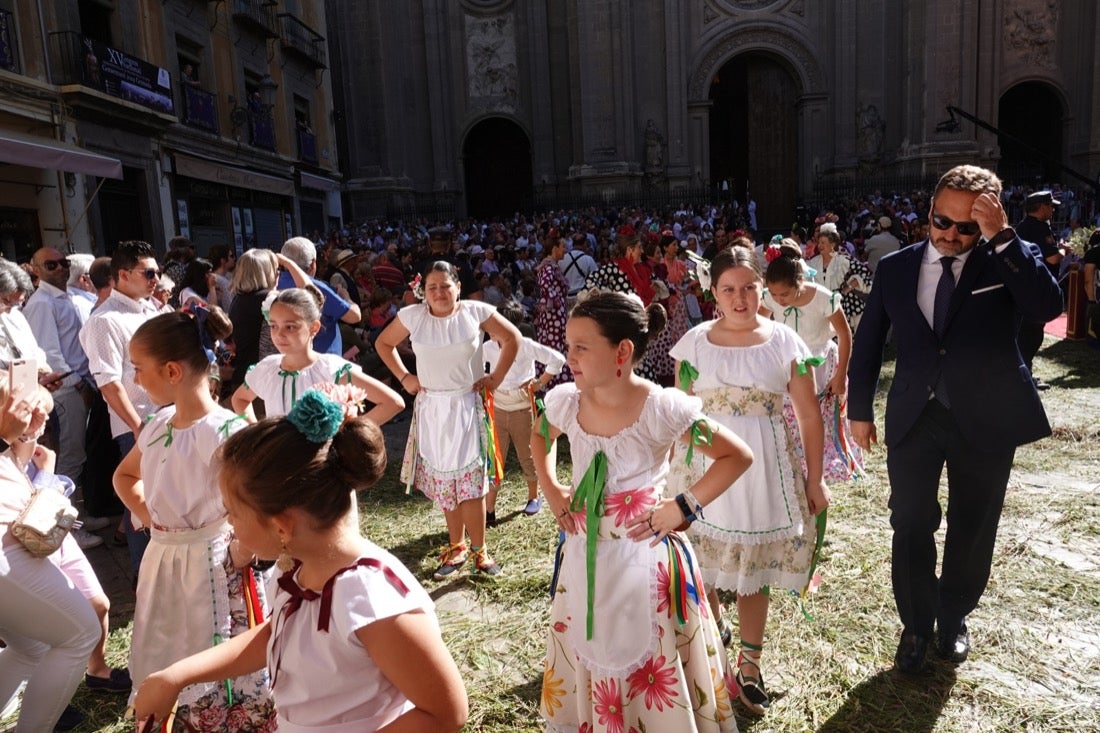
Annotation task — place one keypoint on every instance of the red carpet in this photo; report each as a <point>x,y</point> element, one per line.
<point>1057,327</point>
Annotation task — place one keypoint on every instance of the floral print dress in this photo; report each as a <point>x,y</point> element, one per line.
<point>759,532</point>
<point>189,595</point>
<point>640,650</point>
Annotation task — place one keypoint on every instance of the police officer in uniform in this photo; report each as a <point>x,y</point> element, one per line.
<point>1035,228</point>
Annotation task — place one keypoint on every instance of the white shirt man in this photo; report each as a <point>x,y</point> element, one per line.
<point>577,265</point>
<point>56,319</point>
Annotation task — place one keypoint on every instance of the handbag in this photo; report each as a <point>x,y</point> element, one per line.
<point>43,524</point>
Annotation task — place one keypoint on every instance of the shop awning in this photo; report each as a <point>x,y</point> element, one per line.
<point>318,183</point>
<point>50,154</point>
<point>209,170</point>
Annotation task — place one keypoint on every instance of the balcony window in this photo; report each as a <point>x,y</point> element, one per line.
<point>301,41</point>
<point>9,53</point>
<point>259,15</point>
<point>199,108</point>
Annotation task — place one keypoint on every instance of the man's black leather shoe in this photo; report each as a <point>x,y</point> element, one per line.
<point>954,647</point>
<point>912,650</point>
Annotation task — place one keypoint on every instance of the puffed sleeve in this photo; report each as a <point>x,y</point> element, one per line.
<point>676,412</point>
<point>368,594</point>
<point>561,406</point>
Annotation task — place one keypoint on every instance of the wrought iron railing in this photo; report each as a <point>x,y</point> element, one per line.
<point>200,109</point>
<point>9,36</point>
<point>261,129</point>
<point>302,41</point>
<point>307,146</point>
<point>258,15</point>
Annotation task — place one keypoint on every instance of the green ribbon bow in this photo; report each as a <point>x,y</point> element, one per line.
<point>166,436</point>
<point>344,371</point>
<point>589,498</point>
<point>284,373</point>
<point>814,361</point>
<point>687,376</point>
<point>225,426</point>
<point>543,428</point>
<point>701,434</point>
<point>788,312</point>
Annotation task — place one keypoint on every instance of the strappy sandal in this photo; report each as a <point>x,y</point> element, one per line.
<point>453,558</point>
<point>483,563</point>
<point>751,689</point>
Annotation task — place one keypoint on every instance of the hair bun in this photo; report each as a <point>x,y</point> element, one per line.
<point>316,416</point>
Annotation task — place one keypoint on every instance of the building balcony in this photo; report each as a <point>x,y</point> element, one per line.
<point>259,15</point>
<point>302,42</point>
<point>9,52</point>
<point>200,109</point>
<point>87,64</point>
<point>261,131</point>
<point>307,147</point>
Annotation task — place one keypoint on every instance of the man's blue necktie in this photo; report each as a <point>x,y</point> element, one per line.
<point>944,288</point>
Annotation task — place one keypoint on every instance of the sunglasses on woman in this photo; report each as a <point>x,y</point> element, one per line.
<point>965,228</point>
<point>52,265</point>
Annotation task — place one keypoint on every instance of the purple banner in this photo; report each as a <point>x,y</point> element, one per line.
<point>126,77</point>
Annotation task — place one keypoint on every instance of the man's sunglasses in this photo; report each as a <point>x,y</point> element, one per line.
<point>52,265</point>
<point>149,273</point>
<point>965,228</point>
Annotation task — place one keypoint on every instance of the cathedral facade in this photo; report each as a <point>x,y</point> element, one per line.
<point>483,106</point>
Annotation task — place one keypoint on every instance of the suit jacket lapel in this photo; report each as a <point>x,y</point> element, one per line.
<point>971,269</point>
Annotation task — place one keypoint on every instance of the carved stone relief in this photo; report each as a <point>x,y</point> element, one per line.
<point>1031,31</point>
<point>491,73</point>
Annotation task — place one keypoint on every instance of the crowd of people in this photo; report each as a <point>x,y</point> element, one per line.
<point>700,372</point>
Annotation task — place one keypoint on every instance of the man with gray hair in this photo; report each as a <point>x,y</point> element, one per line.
<point>80,283</point>
<point>335,308</point>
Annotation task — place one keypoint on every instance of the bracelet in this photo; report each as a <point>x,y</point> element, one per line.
<point>402,380</point>
<point>682,502</point>
<point>693,502</point>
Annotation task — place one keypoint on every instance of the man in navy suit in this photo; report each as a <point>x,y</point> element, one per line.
<point>961,396</point>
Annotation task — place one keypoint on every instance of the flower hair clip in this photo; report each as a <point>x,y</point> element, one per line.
<point>417,287</point>
<point>772,253</point>
<point>265,307</point>
<point>316,416</point>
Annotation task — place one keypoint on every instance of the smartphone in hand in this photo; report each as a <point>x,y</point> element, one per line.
<point>23,376</point>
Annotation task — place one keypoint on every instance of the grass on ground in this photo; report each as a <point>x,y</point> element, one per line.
<point>1035,664</point>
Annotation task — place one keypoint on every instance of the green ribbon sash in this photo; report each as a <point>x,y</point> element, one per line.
<point>543,423</point>
<point>589,498</point>
<point>687,376</point>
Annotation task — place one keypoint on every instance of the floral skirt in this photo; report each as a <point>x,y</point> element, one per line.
<point>444,455</point>
<point>843,460</point>
<point>655,661</point>
<point>190,595</point>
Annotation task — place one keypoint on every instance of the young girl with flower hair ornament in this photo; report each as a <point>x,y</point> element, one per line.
<point>815,314</point>
<point>352,643</point>
<point>761,533</point>
<point>632,644</point>
<point>294,317</point>
<point>449,454</point>
<point>195,589</point>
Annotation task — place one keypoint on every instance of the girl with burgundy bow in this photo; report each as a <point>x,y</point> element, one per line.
<point>352,642</point>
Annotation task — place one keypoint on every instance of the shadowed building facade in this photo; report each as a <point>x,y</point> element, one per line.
<point>485,106</point>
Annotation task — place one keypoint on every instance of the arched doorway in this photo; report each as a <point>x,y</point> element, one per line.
<point>1030,119</point>
<point>497,160</point>
<point>754,136</point>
